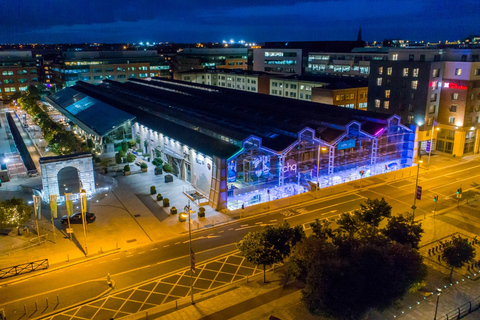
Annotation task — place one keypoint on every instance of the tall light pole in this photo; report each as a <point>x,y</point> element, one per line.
<point>415,194</point>
<point>318,165</point>
<point>83,206</point>
<point>192,254</point>
<point>439,292</point>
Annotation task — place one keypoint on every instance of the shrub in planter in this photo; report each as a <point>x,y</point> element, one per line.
<point>130,157</point>
<point>157,162</point>
<point>167,168</point>
<point>173,210</point>
<point>166,202</point>
<point>132,143</point>
<point>201,212</point>
<point>144,167</point>
<point>153,190</point>
<point>126,170</point>
<point>159,197</point>
<point>182,217</point>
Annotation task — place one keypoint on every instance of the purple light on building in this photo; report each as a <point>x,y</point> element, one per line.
<point>379,132</point>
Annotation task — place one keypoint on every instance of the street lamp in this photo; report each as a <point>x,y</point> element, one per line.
<point>439,292</point>
<point>318,165</point>
<point>431,141</point>
<point>415,194</point>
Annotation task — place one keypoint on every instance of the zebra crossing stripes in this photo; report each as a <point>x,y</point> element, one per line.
<point>292,212</point>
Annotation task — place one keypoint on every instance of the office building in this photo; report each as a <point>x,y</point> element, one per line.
<point>18,70</point>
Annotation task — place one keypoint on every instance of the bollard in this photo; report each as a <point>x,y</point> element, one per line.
<point>36,305</point>
<point>46,301</point>
<point>176,304</point>
<point>438,258</point>
<point>101,249</point>
<point>117,245</point>
<point>109,282</point>
<point>25,308</point>
<point>429,252</point>
<point>58,301</point>
<point>68,258</point>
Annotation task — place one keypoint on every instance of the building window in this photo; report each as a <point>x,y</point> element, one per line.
<point>477,119</point>
<point>458,71</point>
<point>415,72</point>
<point>379,81</point>
<point>435,73</point>
<point>362,105</point>
<point>97,70</point>
<point>477,72</point>
<point>395,57</point>
<point>451,120</point>
<point>433,97</point>
<point>453,108</point>
<point>97,77</point>
<point>405,72</point>
<point>412,96</point>
<point>411,119</point>
<point>337,98</point>
<point>377,103</point>
<point>431,108</point>
<point>386,104</point>
<point>429,121</point>
<point>434,85</point>
<point>470,109</point>
<point>455,96</point>
<point>389,71</point>
<point>387,94</point>
<point>380,70</point>
<point>414,84</point>
<point>410,107</point>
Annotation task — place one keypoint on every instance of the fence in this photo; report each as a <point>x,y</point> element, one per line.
<point>23,268</point>
<point>463,310</point>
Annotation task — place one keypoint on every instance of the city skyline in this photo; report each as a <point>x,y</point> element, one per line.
<point>189,21</point>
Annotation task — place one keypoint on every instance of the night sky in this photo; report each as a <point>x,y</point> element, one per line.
<point>129,21</point>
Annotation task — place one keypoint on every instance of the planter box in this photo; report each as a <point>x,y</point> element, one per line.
<point>144,169</point>
<point>168,178</point>
<point>127,173</point>
<point>158,171</point>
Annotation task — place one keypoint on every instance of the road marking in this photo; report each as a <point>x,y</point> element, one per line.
<point>102,261</point>
<point>230,229</point>
<point>244,225</point>
<point>273,220</point>
<point>258,222</point>
<point>221,231</point>
<point>153,249</point>
<point>333,211</point>
<point>115,259</point>
<point>245,228</point>
<point>178,242</point>
<point>267,224</point>
<point>166,246</point>
<point>141,252</point>
<point>130,255</point>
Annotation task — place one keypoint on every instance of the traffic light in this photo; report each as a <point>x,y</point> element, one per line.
<point>435,198</point>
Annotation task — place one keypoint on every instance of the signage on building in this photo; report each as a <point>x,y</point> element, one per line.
<point>451,85</point>
<point>232,171</point>
<point>290,167</point>
<point>346,144</point>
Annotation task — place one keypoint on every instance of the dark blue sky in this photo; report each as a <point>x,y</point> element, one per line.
<point>78,21</point>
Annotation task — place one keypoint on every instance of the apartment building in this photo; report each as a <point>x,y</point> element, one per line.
<point>211,58</point>
<point>96,66</point>
<point>278,61</point>
<point>436,90</point>
<point>18,70</point>
<point>233,79</point>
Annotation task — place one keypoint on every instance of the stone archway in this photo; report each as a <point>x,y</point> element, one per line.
<point>50,166</point>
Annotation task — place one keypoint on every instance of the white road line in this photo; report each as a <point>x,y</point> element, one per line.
<point>266,224</point>
<point>178,242</point>
<point>115,259</point>
<point>244,225</point>
<point>166,246</point>
<point>130,255</point>
<point>245,228</point>
<point>221,231</point>
<point>230,229</point>
<point>258,222</point>
<point>141,252</point>
<point>153,249</point>
<point>273,220</point>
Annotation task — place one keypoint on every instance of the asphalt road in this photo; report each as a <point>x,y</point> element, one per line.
<point>130,267</point>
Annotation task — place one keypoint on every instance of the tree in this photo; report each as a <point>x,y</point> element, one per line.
<point>374,211</point>
<point>118,158</point>
<point>458,252</point>
<point>270,245</point>
<point>145,143</point>
<point>130,157</point>
<point>349,223</point>
<point>14,212</point>
<point>167,168</point>
<point>131,143</point>
<point>124,146</point>
<point>17,95</point>
<point>33,91</point>
<point>403,230</point>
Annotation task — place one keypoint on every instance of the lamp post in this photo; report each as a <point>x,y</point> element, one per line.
<point>187,208</point>
<point>415,194</point>
<point>439,292</point>
<point>318,165</point>
<point>83,206</point>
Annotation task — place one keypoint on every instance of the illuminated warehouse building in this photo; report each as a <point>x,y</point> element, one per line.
<point>240,148</point>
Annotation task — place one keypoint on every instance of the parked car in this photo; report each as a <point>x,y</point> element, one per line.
<point>77,218</point>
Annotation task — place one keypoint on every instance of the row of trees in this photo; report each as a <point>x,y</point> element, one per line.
<point>60,141</point>
<point>368,261</point>
<point>14,212</point>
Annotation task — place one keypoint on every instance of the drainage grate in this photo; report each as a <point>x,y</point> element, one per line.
<point>136,215</point>
<point>131,240</point>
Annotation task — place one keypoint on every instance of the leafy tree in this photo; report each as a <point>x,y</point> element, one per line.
<point>403,230</point>
<point>14,212</point>
<point>124,146</point>
<point>349,223</point>
<point>130,157</point>
<point>131,143</point>
<point>137,140</point>
<point>145,143</point>
<point>374,211</point>
<point>157,162</point>
<point>33,91</point>
<point>458,252</point>
<point>118,158</point>
<point>126,168</point>
<point>167,168</point>
<point>90,143</point>
<point>63,143</point>
<point>270,245</point>
<point>17,95</point>
<point>321,230</point>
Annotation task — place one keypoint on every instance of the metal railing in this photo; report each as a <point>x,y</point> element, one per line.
<point>23,268</point>
<point>463,310</point>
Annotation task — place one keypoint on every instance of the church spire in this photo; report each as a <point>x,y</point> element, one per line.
<point>359,37</point>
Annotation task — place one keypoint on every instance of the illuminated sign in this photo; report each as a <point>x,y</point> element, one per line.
<point>232,171</point>
<point>454,86</point>
<point>346,144</point>
<point>290,167</point>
